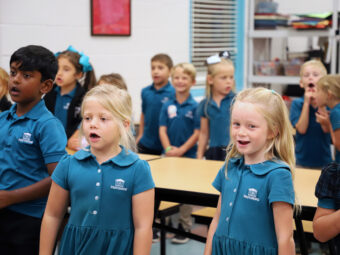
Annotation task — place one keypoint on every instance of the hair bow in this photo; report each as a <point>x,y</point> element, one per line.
<point>214,59</point>
<point>83,60</point>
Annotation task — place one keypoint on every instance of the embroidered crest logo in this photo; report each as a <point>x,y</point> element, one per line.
<point>119,185</point>
<point>189,115</point>
<point>252,195</point>
<point>165,99</point>
<point>66,106</point>
<point>26,138</point>
<point>172,111</point>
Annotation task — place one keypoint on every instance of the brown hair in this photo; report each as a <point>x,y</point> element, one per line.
<point>163,58</point>
<point>114,79</point>
<point>73,57</point>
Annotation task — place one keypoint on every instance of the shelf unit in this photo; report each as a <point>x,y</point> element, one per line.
<point>284,33</point>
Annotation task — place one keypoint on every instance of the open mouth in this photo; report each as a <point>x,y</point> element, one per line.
<point>14,90</point>
<point>243,142</point>
<point>94,135</point>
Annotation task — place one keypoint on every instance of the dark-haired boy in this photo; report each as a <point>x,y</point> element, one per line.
<point>32,141</point>
<point>153,97</point>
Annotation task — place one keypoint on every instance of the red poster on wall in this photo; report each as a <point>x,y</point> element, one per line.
<point>111,17</point>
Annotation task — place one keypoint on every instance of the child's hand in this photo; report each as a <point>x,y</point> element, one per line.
<point>309,96</point>
<point>174,152</point>
<point>73,143</point>
<point>322,116</point>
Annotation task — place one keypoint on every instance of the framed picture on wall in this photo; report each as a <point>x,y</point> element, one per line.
<point>111,17</point>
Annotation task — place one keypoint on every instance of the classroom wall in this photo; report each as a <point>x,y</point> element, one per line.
<point>157,26</point>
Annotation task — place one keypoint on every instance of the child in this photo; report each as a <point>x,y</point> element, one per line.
<point>76,141</point>
<point>110,189</point>
<point>153,97</point>
<point>328,94</point>
<point>114,79</point>
<point>312,138</point>
<point>214,110</point>
<point>255,210</point>
<point>65,98</point>
<point>5,104</point>
<point>180,114</point>
<point>32,141</point>
<point>327,216</point>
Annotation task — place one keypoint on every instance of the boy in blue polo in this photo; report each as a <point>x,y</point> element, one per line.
<point>179,129</point>
<point>312,139</point>
<point>32,141</point>
<point>153,97</point>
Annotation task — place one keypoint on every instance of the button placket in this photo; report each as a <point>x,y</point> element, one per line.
<point>99,184</point>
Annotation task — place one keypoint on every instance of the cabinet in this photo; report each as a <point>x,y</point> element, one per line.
<point>284,33</point>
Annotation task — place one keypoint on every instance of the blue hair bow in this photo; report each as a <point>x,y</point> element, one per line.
<point>83,60</point>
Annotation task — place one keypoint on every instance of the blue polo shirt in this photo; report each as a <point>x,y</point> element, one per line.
<point>101,220</point>
<point>62,104</point>
<point>27,144</point>
<point>334,117</point>
<point>181,121</point>
<point>219,119</point>
<point>312,149</point>
<point>247,194</point>
<point>152,101</point>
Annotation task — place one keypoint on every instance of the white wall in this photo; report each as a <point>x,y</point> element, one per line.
<point>157,26</point>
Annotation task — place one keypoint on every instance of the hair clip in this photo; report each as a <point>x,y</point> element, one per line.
<point>83,60</point>
<point>214,59</point>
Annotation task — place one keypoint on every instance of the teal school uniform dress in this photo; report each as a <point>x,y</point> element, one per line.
<point>181,121</point>
<point>101,201</point>
<point>312,149</point>
<point>152,101</point>
<point>334,117</point>
<point>27,144</point>
<point>246,224</point>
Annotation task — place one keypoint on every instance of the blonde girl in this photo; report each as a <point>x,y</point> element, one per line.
<point>5,104</point>
<point>255,209</point>
<point>214,110</point>
<point>328,94</point>
<point>110,189</point>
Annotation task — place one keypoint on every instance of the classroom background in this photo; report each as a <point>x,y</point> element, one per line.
<point>156,26</point>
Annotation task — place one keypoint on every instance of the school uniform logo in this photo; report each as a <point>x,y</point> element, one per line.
<point>189,115</point>
<point>76,111</point>
<point>252,195</point>
<point>66,106</point>
<point>26,138</point>
<point>172,111</point>
<point>165,99</point>
<point>119,185</point>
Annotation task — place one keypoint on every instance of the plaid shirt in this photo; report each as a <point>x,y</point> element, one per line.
<point>328,185</point>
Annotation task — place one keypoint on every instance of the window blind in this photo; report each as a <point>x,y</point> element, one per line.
<point>213,29</point>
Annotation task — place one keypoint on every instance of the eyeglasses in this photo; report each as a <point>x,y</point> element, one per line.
<point>214,59</point>
<point>311,85</point>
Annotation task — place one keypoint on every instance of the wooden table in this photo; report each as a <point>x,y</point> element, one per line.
<point>147,157</point>
<point>185,180</point>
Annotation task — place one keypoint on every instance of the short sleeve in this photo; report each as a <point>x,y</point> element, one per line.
<point>52,140</point>
<point>220,177</point>
<point>200,109</point>
<point>163,117</point>
<point>335,118</point>
<point>281,187</point>
<point>143,179</point>
<point>295,111</point>
<point>60,173</point>
<point>143,101</point>
<point>326,203</point>
<point>328,183</point>
<point>197,119</point>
